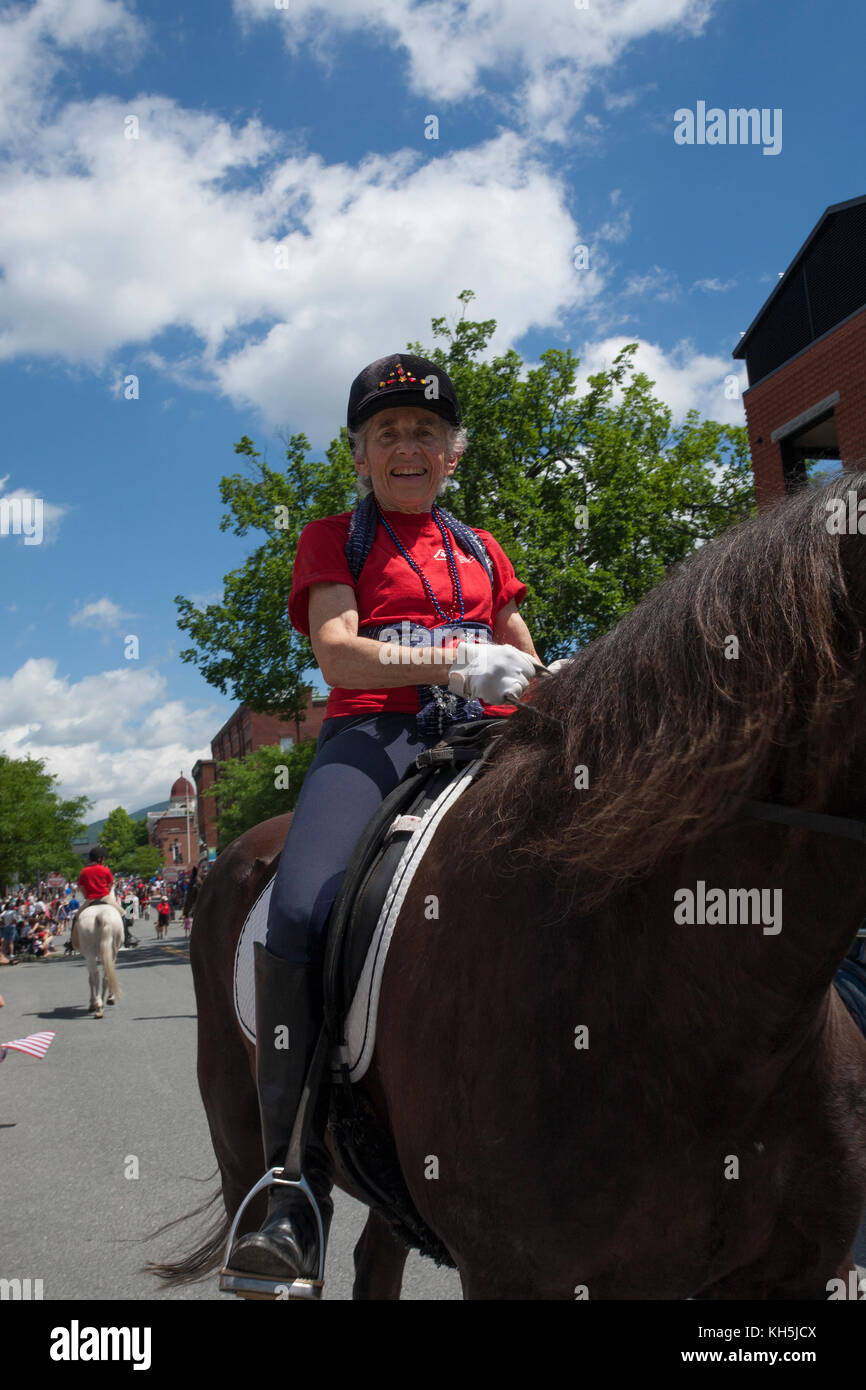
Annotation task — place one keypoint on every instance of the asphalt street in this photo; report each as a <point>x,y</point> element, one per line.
<point>110,1091</point>
<point>106,1139</point>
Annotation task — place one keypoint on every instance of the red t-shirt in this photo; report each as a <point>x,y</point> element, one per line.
<point>95,880</point>
<point>389,591</point>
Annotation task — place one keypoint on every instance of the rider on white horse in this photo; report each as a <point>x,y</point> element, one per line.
<point>96,882</point>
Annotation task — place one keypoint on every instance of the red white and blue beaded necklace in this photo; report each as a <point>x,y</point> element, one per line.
<point>452,566</point>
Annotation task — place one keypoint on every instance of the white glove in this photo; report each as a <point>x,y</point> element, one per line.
<point>489,671</point>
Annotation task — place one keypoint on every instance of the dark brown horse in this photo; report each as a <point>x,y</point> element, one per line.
<point>624,1100</point>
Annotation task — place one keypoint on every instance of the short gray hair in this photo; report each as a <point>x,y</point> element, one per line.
<point>455,443</point>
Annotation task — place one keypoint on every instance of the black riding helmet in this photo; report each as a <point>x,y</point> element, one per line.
<point>401,379</point>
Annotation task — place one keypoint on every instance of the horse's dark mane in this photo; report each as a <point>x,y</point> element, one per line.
<point>672,732</point>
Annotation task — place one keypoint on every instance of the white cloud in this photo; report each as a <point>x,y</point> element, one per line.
<point>31,40</point>
<point>29,515</point>
<point>112,737</point>
<point>659,284</point>
<point>96,706</point>
<point>685,379</point>
<point>132,778</point>
<point>618,229</point>
<point>103,613</point>
<point>139,242</point>
<point>203,598</point>
<point>174,724</point>
<point>620,101</point>
<point>714,285</point>
<point>500,227</point>
<point>151,237</point>
<point>556,48</point>
<point>117,240</point>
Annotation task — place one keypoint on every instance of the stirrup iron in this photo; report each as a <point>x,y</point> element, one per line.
<point>264,1285</point>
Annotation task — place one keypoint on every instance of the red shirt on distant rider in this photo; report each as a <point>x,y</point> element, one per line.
<point>95,881</point>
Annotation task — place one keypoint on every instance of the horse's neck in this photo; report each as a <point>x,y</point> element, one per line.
<point>812,900</point>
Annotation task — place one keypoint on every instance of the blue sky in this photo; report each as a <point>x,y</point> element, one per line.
<point>304,127</point>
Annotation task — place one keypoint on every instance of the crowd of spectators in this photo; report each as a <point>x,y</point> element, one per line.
<point>32,917</point>
<point>28,925</point>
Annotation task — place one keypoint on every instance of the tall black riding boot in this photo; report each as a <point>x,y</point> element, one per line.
<point>285,1252</point>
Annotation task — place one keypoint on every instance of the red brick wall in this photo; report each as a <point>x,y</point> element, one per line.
<point>836,363</point>
<point>169,828</point>
<point>266,729</point>
<point>206,815</point>
<point>313,721</point>
<point>246,731</point>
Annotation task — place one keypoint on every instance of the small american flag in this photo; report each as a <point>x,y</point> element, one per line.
<point>35,1045</point>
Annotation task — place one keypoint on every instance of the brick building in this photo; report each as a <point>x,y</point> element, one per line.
<point>245,730</point>
<point>204,776</point>
<point>805,355</point>
<point>174,831</point>
<point>243,733</point>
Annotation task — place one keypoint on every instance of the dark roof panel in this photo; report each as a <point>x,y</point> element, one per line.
<point>824,284</point>
<point>836,270</point>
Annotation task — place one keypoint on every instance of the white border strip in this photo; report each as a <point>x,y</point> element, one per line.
<point>362,1015</point>
<point>248,922</point>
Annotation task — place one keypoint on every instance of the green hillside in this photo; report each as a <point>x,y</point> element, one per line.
<point>95,830</point>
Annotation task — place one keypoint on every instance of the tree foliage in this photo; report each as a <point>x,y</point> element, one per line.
<point>141,862</point>
<point>244,645</point>
<point>126,845</point>
<point>119,835</point>
<point>538,454</point>
<point>265,783</point>
<point>37,827</point>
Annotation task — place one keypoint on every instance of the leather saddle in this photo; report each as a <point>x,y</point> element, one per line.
<point>366,1152</point>
<point>365,884</point>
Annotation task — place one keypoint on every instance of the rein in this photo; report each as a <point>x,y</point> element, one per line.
<point>810,820</point>
<point>540,670</point>
<point>841,826</point>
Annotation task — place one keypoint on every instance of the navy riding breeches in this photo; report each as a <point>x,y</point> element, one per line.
<point>359,760</point>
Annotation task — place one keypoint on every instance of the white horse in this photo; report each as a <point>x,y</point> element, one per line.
<point>99,932</point>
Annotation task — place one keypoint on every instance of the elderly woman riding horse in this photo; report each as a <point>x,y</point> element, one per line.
<point>413,621</point>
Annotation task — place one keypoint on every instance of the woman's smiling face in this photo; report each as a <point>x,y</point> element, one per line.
<point>405,458</point>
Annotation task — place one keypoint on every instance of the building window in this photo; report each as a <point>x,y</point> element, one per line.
<point>811,457</point>
<point>286,743</point>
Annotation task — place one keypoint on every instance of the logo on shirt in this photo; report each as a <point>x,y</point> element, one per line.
<point>464,559</point>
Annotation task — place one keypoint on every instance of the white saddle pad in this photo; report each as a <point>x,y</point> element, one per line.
<point>361,1019</point>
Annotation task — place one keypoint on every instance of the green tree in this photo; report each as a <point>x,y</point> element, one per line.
<point>265,783</point>
<point>538,454</point>
<point>37,827</point>
<point>119,835</point>
<point>244,645</point>
<point>820,471</point>
<point>142,861</point>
